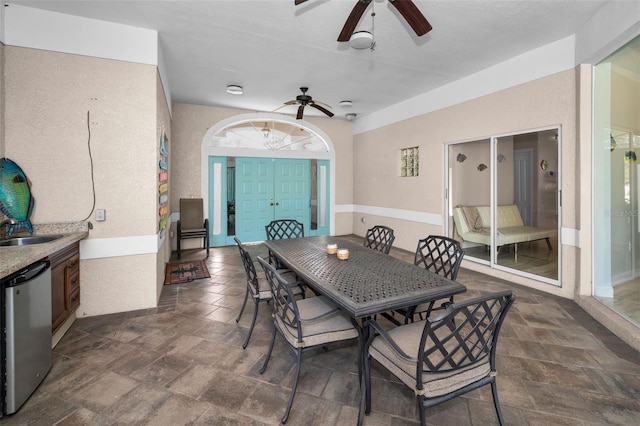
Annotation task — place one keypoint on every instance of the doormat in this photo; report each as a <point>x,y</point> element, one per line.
<point>184,272</point>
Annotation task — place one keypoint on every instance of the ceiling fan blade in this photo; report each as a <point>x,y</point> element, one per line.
<point>291,102</point>
<point>297,2</point>
<point>413,16</point>
<point>353,19</point>
<point>318,107</point>
<point>300,111</point>
<point>322,104</point>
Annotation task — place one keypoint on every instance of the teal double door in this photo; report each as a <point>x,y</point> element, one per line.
<point>259,190</point>
<point>268,189</point>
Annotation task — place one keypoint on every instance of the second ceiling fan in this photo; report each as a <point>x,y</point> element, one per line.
<point>406,8</point>
<point>304,100</point>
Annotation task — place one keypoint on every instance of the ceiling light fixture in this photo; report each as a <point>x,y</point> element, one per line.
<point>266,131</point>
<point>351,116</point>
<point>234,89</point>
<point>361,40</point>
<point>345,103</point>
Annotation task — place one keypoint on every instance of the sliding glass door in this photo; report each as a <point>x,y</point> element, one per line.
<point>616,183</point>
<point>503,201</point>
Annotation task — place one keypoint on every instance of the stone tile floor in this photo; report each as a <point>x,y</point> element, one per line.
<point>182,363</point>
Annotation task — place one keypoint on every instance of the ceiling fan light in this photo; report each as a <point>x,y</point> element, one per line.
<point>234,89</point>
<point>361,40</point>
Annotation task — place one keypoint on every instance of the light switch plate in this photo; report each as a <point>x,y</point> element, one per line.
<point>101,215</point>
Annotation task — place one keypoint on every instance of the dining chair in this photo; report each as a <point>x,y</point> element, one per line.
<point>442,357</point>
<point>440,255</point>
<point>192,223</point>
<point>280,229</point>
<point>304,324</point>
<point>379,238</point>
<point>258,288</point>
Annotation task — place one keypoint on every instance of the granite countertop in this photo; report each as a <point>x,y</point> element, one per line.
<point>14,258</point>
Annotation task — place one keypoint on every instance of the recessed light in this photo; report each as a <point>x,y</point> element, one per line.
<point>345,103</point>
<point>351,116</point>
<point>234,89</point>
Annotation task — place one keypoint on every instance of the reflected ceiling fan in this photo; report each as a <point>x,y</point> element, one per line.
<point>407,9</point>
<point>304,100</point>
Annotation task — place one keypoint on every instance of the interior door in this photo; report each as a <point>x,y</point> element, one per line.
<point>522,183</point>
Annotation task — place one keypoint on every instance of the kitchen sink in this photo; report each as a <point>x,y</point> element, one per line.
<point>27,241</point>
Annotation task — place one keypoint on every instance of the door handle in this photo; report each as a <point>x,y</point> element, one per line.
<point>277,204</point>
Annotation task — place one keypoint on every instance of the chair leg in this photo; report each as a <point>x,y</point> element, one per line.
<point>421,409</point>
<point>496,403</point>
<point>295,386</point>
<point>246,296</point>
<point>253,323</point>
<point>273,340</point>
<point>178,246</point>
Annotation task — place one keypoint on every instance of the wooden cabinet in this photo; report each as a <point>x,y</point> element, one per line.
<point>65,284</point>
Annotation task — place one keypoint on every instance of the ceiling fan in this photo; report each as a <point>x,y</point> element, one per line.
<point>304,100</point>
<point>407,9</point>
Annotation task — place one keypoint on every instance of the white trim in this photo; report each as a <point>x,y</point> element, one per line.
<point>97,248</point>
<point>59,32</point>
<point>570,237</point>
<point>532,65</point>
<point>411,215</point>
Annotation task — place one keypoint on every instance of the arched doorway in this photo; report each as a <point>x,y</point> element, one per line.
<point>257,167</point>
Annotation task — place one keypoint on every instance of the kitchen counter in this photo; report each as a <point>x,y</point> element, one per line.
<point>13,259</point>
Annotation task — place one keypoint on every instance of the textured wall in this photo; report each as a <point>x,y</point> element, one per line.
<point>548,101</point>
<point>190,124</point>
<point>48,95</point>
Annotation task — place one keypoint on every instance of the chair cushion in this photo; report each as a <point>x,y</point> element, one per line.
<point>407,337</point>
<point>264,292</point>
<point>333,328</point>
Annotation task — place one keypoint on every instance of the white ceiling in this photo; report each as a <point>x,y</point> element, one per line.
<point>271,47</point>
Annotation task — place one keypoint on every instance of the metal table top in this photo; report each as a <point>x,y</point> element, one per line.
<point>368,283</point>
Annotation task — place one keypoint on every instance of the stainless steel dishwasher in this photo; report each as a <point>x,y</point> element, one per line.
<point>25,349</point>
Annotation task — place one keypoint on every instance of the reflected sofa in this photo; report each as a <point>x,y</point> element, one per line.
<point>473,224</point>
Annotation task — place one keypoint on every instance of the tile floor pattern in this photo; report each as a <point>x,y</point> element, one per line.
<point>182,363</point>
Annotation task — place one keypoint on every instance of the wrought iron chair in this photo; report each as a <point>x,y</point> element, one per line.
<point>379,238</point>
<point>281,229</point>
<point>443,356</point>
<point>192,223</point>
<point>258,287</point>
<point>304,324</point>
<point>438,254</point>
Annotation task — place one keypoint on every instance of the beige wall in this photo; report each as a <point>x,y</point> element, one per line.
<point>191,123</point>
<point>48,95</point>
<point>545,102</point>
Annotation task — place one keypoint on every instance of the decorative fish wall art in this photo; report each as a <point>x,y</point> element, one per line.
<point>16,201</point>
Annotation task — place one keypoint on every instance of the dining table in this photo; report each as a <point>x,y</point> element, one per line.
<point>364,284</point>
<point>367,283</point>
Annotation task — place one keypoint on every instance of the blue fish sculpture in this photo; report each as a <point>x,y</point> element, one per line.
<point>16,201</point>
